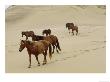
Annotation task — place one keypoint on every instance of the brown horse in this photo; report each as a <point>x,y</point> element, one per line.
<point>47,32</point>
<point>27,34</point>
<point>69,24</point>
<point>36,48</point>
<point>72,27</point>
<point>52,39</point>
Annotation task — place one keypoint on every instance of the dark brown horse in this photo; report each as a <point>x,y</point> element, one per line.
<point>27,34</point>
<point>47,32</point>
<point>52,39</point>
<point>36,48</point>
<point>71,26</point>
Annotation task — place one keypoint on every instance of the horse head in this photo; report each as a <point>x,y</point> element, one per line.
<point>22,33</point>
<point>43,32</point>
<point>22,45</point>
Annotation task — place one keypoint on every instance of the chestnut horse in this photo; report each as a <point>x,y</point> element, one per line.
<point>27,34</point>
<point>36,48</point>
<point>47,32</point>
<point>52,39</point>
<point>72,27</point>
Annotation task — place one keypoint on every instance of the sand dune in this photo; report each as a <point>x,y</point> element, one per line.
<point>85,53</point>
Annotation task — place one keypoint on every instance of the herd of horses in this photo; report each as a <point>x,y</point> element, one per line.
<point>43,44</point>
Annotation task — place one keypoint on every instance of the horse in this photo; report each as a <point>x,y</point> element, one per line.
<point>47,32</point>
<point>27,34</point>
<point>52,39</point>
<point>72,27</point>
<point>68,24</point>
<point>36,48</point>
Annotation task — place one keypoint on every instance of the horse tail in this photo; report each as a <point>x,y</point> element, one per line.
<point>50,51</point>
<point>76,30</point>
<point>58,45</point>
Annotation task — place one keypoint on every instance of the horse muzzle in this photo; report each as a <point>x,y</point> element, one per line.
<point>20,50</point>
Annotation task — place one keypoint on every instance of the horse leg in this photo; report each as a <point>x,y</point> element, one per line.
<point>53,48</point>
<point>45,60</point>
<point>37,60</point>
<point>29,61</point>
<point>57,48</point>
<point>69,31</point>
<point>76,32</point>
<point>73,31</point>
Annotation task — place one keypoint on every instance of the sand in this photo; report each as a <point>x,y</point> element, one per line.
<point>85,53</point>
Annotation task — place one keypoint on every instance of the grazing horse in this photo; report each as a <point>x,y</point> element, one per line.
<point>52,39</point>
<point>72,27</point>
<point>27,34</point>
<point>36,48</point>
<point>47,32</point>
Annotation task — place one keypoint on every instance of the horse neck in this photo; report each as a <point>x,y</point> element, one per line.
<point>29,47</point>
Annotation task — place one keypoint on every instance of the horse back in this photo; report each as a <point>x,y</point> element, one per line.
<point>46,43</point>
<point>48,38</point>
<point>69,24</point>
<point>39,47</point>
<point>53,38</point>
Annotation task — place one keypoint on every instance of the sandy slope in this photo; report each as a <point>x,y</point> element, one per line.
<point>85,53</point>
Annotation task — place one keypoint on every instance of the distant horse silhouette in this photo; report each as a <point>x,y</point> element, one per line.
<point>27,34</point>
<point>47,32</point>
<point>69,24</point>
<point>36,48</point>
<point>52,39</point>
<point>72,27</point>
